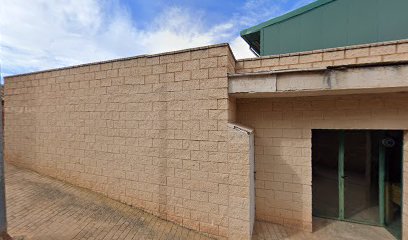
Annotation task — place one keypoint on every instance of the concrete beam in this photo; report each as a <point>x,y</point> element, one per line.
<point>313,82</point>
<point>257,83</point>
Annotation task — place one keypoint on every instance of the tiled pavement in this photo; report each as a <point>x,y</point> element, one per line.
<point>324,229</point>
<point>41,208</point>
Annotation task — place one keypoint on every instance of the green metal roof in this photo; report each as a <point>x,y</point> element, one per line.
<point>329,24</point>
<point>286,16</point>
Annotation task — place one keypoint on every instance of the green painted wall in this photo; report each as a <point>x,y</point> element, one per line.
<point>337,24</point>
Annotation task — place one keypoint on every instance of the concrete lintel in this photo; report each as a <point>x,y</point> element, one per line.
<point>375,79</point>
<point>253,84</point>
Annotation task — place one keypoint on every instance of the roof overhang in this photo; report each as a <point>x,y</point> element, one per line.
<point>351,79</point>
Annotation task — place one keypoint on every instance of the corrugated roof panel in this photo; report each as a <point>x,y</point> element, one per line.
<point>332,23</point>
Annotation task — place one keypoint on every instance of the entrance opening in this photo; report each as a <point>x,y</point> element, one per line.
<point>357,176</point>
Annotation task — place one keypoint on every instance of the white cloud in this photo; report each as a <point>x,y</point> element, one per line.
<point>42,34</point>
<point>179,29</point>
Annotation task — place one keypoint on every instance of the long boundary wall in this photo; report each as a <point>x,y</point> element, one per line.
<point>150,131</point>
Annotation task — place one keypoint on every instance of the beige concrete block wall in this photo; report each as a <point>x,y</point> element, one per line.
<point>241,178</point>
<point>283,144</point>
<point>360,54</point>
<point>288,146</point>
<point>149,131</point>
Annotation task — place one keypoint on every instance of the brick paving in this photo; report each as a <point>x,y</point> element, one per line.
<point>324,229</point>
<point>43,208</point>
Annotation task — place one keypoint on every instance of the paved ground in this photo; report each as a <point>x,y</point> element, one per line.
<point>323,230</point>
<point>41,208</point>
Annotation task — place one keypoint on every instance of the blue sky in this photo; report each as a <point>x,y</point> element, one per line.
<point>42,34</point>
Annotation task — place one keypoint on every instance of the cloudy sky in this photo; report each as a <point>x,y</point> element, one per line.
<point>43,34</point>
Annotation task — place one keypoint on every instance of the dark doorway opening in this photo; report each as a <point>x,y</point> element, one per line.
<point>357,176</point>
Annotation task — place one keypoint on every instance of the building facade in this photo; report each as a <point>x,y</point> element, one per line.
<point>171,133</point>
<point>214,143</point>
